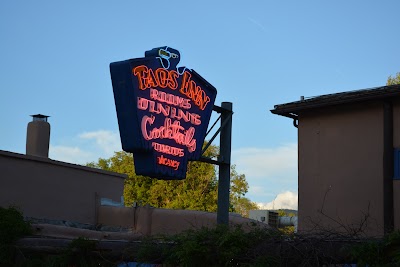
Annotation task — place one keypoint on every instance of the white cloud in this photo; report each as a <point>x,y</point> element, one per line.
<point>70,154</point>
<point>262,191</point>
<point>268,170</point>
<point>259,190</point>
<point>92,146</point>
<point>285,200</point>
<point>277,162</point>
<point>107,141</point>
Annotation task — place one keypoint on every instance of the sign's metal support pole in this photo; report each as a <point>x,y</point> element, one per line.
<point>224,179</point>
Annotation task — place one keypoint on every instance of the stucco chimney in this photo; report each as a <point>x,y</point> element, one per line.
<point>38,136</point>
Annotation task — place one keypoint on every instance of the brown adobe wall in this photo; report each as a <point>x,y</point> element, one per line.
<point>340,167</point>
<point>44,188</point>
<point>154,221</point>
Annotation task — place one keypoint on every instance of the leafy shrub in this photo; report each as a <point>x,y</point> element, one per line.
<point>220,246</point>
<point>12,227</point>
<point>381,252</point>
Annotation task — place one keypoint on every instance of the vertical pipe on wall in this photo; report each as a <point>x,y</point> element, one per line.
<point>224,178</point>
<point>388,213</point>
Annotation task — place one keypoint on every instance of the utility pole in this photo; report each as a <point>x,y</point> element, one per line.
<point>224,178</point>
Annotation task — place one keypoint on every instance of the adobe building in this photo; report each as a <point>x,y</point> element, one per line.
<point>348,163</point>
<point>49,189</point>
<point>64,196</point>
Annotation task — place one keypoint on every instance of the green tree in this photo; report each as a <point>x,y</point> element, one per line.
<point>239,187</point>
<point>393,80</point>
<point>199,191</point>
<point>136,187</point>
<point>196,192</point>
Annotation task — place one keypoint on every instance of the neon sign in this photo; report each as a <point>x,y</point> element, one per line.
<point>163,112</point>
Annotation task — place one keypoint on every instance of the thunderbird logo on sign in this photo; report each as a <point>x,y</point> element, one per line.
<point>163,112</point>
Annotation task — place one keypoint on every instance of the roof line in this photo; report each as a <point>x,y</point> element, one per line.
<point>293,108</point>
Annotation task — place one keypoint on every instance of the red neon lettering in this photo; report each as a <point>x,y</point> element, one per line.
<point>185,115</point>
<point>151,79</point>
<point>167,111</point>
<point>193,91</point>
<point>170,99</point>
<point>143,103</point>
<point>140,72</point>
<point>148,78</point>
<point>147,120</point>
<point>166,149</point>
<point>153,94</point>
<point>173,79</point>
<point>162,75</point>
<point>151,109</point>
<point>188,139</point>
<point>169,130</point>
<point>168,162</point>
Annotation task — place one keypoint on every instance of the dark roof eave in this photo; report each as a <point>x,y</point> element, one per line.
<point>291,110</point>
<point>288,115</point>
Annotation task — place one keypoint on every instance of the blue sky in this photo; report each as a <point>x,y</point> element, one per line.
<point>55,55</point>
